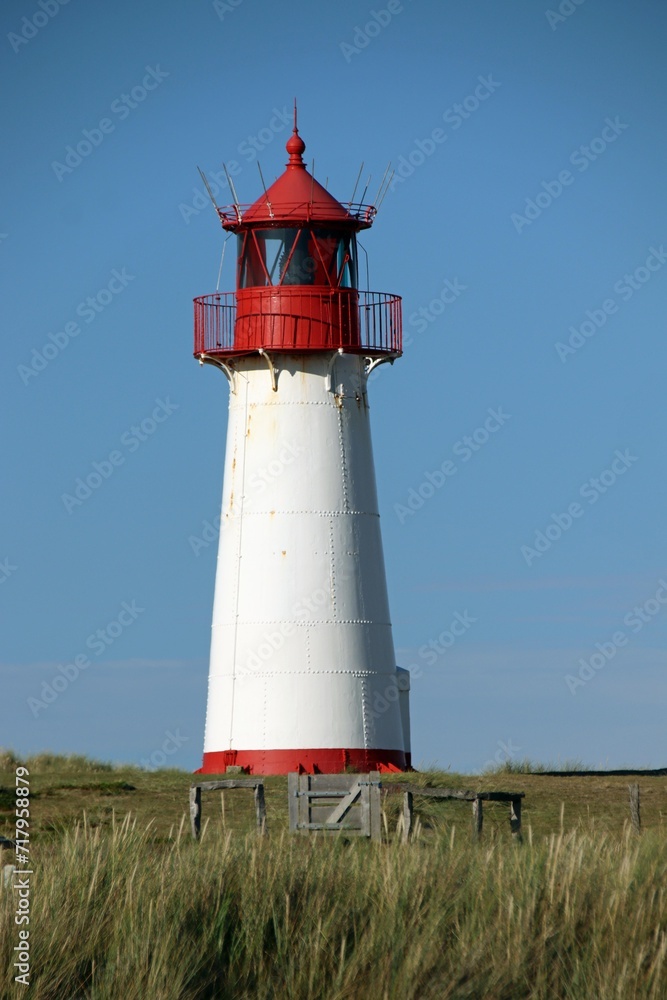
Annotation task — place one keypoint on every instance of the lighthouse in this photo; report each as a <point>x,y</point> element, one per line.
<point>302,674</point>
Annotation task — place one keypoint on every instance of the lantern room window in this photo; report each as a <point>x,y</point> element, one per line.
<point>297,256</point>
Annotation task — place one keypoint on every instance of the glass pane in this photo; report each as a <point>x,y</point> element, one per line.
<point>297,256</point>
<point>251,261</point>
<point>297,266</point>
<point>347,262</point>
<point>335,258</point>
<point>278,244</point>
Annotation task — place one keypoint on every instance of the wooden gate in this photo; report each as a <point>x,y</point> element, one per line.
<point>332,803</point>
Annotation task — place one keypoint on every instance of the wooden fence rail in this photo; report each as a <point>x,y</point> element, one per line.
<point>211,786</point>
<point>477,798</point>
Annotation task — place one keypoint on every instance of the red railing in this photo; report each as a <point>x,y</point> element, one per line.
<point>232,216</point>
<point>297,319</point>
<point>215,316</point>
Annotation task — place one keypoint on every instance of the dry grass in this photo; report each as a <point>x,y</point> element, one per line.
<point>125,906</point>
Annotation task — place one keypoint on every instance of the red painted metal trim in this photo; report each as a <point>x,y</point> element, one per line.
<point>325,761</point>
<point>235,220</point>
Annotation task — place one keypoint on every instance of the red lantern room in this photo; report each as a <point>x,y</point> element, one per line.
<point>297,276</point>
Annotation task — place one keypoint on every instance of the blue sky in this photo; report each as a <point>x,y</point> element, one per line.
<point>527,237</point>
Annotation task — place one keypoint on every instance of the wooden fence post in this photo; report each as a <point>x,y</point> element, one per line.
<point>260,809</point>
<point>195,811</point>
<point>374,795</point>
<point>634,807</point>
<point>515,820</point>
<point>477,818</point>
<point>293,800</point>
<point>407,816</point>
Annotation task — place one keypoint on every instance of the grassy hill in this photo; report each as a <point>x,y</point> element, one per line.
<point>124,905</point>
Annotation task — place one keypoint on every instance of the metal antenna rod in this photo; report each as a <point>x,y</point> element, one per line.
<point>233,190</point>
<point>208,188</point>
<point>381,183</point>
<point>356,183</point>
<point>265,191</point>
<point>222,257</point>
<point>365,189</point>
<point>384,193</point>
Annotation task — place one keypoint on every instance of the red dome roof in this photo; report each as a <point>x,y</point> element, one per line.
<point>297,197</point>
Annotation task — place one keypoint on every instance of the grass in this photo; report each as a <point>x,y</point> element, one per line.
<point>125,905</point>
<point>47,763</point>
<point>527,766</point>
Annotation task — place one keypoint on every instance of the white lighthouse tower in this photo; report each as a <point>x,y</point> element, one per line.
<point>302,671</point>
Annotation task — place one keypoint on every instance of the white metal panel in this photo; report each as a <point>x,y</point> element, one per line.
<point>218,712</point>
<point>302,653</point>
<point>404,702</point>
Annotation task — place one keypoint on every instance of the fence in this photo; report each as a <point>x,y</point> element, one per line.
<point>476,798</point>
<point>335,803</point>
<point>351,804</point>
<point>210,786</point>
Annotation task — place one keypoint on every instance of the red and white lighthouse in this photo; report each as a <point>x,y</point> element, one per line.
<point>302,671</point>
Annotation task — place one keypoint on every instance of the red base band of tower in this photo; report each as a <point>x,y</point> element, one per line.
<point>327,761</point>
